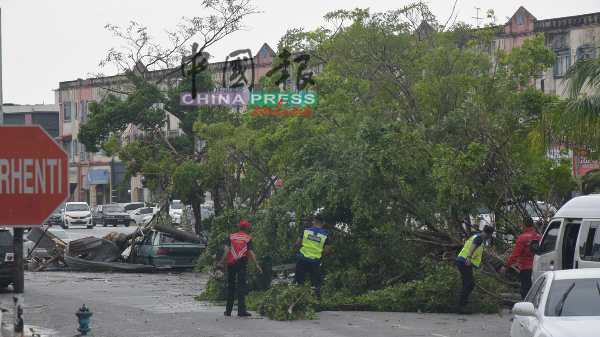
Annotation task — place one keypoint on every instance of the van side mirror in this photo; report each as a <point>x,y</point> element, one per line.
<point>534,246</point>
<point>61,210</point>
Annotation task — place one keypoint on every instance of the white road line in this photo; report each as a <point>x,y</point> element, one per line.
<point>438,335</point>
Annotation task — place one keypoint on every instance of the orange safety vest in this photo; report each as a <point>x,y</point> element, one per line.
<point>239,247</point>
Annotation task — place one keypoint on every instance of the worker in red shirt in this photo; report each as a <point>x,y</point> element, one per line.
<point>522,255</point>
<point>239,248</point>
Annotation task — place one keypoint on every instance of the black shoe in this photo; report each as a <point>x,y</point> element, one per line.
<point>463,310</point>
<point>244,314</point>
<point>227,313</point>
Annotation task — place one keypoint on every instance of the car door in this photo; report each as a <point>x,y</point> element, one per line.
<point>548,256</point>
<point>145,248</point>
<point>588,245</point>
<point>530,323</point>
<point>522,325</point>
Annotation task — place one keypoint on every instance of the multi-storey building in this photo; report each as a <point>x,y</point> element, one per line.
<point>571,38</point>
<point>94,177</point>
<point>45,115</point>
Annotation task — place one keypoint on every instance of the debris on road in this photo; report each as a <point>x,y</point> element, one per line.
<point>114,252</point>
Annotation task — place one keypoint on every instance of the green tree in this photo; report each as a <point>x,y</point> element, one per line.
<point>149,74</point>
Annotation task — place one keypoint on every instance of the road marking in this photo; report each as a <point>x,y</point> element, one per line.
<point>438,335</point>
<point>367,319</point>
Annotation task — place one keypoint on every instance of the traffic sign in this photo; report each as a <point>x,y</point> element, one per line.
<point>34,175</point>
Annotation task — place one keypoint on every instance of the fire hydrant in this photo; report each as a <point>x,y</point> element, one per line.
<point>83,316</point>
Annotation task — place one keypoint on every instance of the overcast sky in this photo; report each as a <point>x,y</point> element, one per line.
<point>45,42</point>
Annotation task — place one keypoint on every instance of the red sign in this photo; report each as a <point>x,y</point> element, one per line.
<point>34,175</point>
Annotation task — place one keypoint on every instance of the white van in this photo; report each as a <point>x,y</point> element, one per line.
<point>572,238</point>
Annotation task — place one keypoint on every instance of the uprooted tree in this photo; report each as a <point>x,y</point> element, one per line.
<point>418,125</point>
<point>149,73</point>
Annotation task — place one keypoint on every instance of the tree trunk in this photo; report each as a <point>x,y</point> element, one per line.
<point>198,216</point>
<point>216,199</point>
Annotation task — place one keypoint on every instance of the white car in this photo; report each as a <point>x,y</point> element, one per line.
<point>76,213</point>
<point>560,303</point>
<point>139,214</point>
<point>176,211</point>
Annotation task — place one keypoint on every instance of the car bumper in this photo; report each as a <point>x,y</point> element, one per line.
<point>175,262</point>
<point>78,222</point>
<point>6,272</point>
<point>118,221</point>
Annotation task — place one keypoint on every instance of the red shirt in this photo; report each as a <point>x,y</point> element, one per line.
<point>521,252</point>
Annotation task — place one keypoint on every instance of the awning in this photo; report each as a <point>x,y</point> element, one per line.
<point>61,138</point>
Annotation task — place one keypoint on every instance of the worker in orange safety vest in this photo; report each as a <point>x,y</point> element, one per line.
<point>239,248</point>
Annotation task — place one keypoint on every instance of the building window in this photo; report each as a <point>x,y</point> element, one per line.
<point>563,62</point>
<point>520,18</point>
<point>75,106</point>
<point>82,155</point>
<point>173,133</point>
<point>87,111</point>
<point>586,53</point>
<point>75,148</point>
<point>264,53</point>
<point>82,110</point>
<point>67,148</point>
<point>67,111</point>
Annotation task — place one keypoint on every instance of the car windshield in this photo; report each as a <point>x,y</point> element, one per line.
<point>60,234</point>
<point>77,207</point>
<point>176,205</point>
<point>574,298</point>
<point>166,238</point>
<point>6,239</point>
<point>112,209</point>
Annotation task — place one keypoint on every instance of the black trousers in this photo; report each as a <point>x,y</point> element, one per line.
<point>313,269</point>
<point>525,282</point>
<point>468,283</point>
<point>239,269</point>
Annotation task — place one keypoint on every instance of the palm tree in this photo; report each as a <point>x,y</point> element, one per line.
<point>578,115</point>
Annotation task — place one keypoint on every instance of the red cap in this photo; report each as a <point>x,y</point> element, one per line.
<point>244,224</point>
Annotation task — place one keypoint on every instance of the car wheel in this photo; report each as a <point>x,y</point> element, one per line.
<point>64,225</point>
<point>90,227</point>
<point>103,222</point>
<point>49,225</point>
<point>127,224</point>
<point>114,225</point>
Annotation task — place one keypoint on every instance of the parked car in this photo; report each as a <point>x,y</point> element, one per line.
<point>132,206</point>
<point>6,257</point>
<point>161,250</point>
<point>40,251</point>
<point>111,215</point>
<point>55,218</point>
<point>571,240</point>
<point>76,213</point>
<point>560,303</point>
<point>176,211</point>
<point>139,214</point>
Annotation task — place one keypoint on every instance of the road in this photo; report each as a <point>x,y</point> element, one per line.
<point>163,305</point>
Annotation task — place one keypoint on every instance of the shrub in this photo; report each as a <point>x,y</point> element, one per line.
<point>276,301</point>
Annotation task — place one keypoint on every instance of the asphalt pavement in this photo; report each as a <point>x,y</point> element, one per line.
<point>163,305</point>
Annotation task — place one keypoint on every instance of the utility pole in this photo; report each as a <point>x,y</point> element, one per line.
<point>477,18</point>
